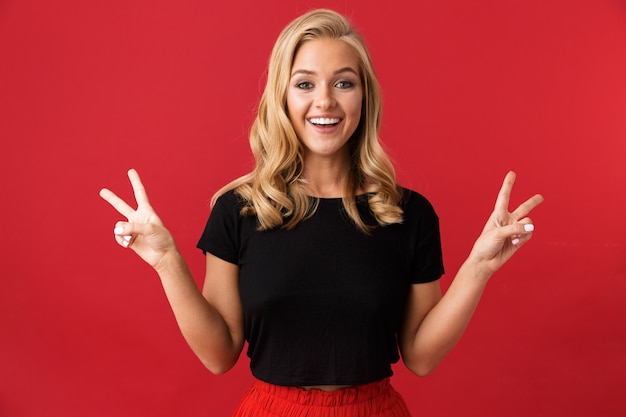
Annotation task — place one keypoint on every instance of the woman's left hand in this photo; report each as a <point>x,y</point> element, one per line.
<point>505,232</point>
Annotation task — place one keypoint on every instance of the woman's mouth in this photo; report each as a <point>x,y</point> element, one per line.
<point>324,121</point>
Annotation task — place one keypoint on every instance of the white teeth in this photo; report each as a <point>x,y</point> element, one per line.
<point>324,121</point>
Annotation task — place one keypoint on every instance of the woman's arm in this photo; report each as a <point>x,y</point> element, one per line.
<point>210,321</point>
<point>434,324</point>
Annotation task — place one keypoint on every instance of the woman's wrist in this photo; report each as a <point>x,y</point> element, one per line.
<point>171,262</point>
<point>477,269</point>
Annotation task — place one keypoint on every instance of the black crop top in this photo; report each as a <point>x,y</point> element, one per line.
<point>323,302</point>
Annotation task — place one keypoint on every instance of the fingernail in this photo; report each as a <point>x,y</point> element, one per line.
<point>125,243</point>
<point>515,241</point>
<point>118,230</point>
<point>529,227</point>
<point>127,238</point>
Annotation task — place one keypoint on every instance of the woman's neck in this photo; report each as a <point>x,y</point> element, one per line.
<point>326,178</point>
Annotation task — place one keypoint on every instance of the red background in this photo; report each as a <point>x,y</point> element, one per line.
<point>471,89</point>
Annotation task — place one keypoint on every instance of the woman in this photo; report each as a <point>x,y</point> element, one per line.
<point>318,258</point>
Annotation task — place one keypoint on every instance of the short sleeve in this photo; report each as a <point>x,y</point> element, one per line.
<point>427,258</point>
<point>221,235</point>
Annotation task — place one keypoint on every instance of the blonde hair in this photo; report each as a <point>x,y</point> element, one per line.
<point>275,190</point>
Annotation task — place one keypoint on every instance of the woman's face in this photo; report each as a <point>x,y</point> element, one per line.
<point>324,96</point>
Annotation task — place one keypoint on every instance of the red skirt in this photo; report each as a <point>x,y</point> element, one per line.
<point>377,399</point>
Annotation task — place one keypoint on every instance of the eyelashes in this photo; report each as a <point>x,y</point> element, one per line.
<point>307,85</point>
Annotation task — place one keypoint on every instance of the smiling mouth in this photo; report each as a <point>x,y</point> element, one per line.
<point>324,121</point>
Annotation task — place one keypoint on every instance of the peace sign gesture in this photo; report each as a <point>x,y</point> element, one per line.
<point>505,232</point>
<point>143,231</point>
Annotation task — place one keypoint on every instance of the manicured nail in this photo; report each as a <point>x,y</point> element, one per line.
<point>127,238</point>
<point>125,243</point>
<point>515,241</point>
<point>118,230</point>
<point>529,227</point>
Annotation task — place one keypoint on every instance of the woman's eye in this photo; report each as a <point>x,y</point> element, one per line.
<point>344,84</point>
<point>304,85</point>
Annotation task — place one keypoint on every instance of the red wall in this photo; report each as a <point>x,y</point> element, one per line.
<point>471,90</point>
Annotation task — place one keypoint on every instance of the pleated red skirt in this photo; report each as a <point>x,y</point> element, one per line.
<point>377,399</point>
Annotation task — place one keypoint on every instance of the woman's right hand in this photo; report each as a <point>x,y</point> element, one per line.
<point>143,231</point>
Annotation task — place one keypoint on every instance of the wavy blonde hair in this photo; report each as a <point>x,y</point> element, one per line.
<point>275,190</point>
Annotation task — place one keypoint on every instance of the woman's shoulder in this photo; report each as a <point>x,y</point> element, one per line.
<point>229,203</point>
<point>409,196</point>
<point>230,198</point>
<point>416,206</point>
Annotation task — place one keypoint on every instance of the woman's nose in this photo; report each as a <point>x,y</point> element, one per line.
<point>324,98</point>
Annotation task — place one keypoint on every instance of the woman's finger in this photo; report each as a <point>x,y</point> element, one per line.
<point>117,203</point>
<point>526,207</point>
<point>124,240</point>
<point>123,233</point>
<point>138,188</point>
<point>504,195</point>
<point>130,228</point>
<point>527,227</point>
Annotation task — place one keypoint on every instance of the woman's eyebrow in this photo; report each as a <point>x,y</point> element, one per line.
<point>309,72</point>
